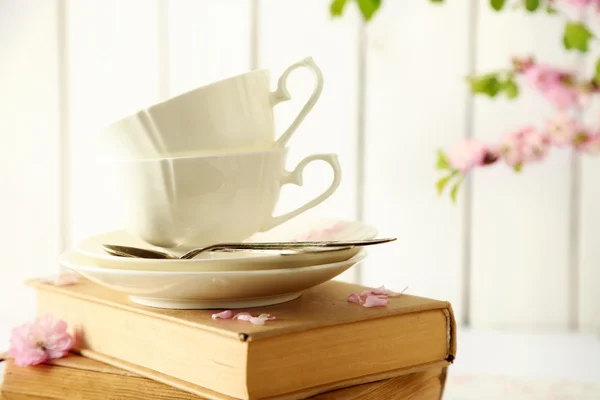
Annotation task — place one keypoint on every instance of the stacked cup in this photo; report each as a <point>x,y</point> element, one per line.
<point>205,167</point>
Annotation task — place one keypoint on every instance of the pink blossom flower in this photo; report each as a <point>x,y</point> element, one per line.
<point>561,129</point>
<point>44,339</point>
<point>244,316</point>
<point>467,154</point>
<point>525,145</point>
<point>591,145</point>
<point>373,297</point>
<point>582,3</point>
<point>554,85</point>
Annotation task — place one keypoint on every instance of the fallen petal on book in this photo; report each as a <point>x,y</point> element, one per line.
<point>373,297</point>
<point>244,316</point>
<point>61,280</point>
<point>375,301</point>
<point>44,339</point>
<point>227,314</point>
<point>260,320</point>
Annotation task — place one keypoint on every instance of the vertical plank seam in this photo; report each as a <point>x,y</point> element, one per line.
<point>574,260</point>
<point>467,211</point>
<point>254,33</point>
<point>358,276</point>
<point>162,26</point>
<point>64,156</point>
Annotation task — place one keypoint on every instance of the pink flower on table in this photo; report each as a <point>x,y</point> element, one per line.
<point>44,339</point>
<point>524,146</point>
<point>554,84</point>
<point>467,154</point>
<point>561,129</point>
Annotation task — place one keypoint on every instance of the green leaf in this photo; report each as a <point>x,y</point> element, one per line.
<point>576,36</point>
<point>532,5</point>
<point>454,191</point>
<point>336,8</point>
<point>597,72</point>
<point>442,162</point>
<point>550,9</point>
<point>518,167</point>
<point>511,89</point>
<point>441,184</point>
<point>368,8</point>
<point>497,4</point>
<point>486,84</point>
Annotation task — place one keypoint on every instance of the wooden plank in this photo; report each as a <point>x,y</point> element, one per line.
<point>114,71</point>
<point>208,41</point>
<point>332,125</point>
<point>416,103</point>
<point>30,160</point>
<point>588,294</point>
<point>521,223</point>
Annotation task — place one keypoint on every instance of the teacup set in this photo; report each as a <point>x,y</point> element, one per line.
<point>207,167</point>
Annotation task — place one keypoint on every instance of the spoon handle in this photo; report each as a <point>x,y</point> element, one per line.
<point>285,245</point>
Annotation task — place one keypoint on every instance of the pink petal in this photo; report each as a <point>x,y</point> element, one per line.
<point>382,290</point>
<point>260,320</point>
<point>32,356</point>
<point>355,298</point>
<point>227,314</point>
<point>58,345</point>
<point>375,301</point>
<point>266,317</point>
<point>61,280</point>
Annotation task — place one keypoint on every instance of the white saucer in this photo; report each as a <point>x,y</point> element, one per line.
<point>322,229</point>
<point>209,290</point>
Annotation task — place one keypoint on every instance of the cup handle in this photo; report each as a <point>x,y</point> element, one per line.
<point>282,94</point>
<point>295,177</point>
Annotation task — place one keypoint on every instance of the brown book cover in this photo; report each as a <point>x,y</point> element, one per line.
<point>79,378</point>
<point>318,342</point>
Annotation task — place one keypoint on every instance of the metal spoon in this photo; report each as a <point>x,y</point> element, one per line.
<point>280,247</point>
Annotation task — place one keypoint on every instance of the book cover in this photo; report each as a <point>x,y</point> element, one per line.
<point>318,342</point>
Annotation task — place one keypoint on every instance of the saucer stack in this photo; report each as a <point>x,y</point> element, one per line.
<point>206,167</point>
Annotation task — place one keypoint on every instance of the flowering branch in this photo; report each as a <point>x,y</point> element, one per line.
<point>565,90</point>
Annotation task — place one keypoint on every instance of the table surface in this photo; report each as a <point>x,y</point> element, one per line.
<point>515,365</point>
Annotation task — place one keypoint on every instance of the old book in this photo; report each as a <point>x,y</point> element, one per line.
<point>319,342</point>
<point>79,378</point>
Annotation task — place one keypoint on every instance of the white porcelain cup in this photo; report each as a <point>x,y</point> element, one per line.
<point>189,202</point>
<point>229,116</point>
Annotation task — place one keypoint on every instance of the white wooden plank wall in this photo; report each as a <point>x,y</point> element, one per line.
<point>113,59</point>
<point>416,103</point>
<point>394,92</point>
<point>588,300</point>
<point>521,223</point>
<point>30,149</point>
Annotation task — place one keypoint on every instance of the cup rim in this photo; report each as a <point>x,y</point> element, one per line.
<point>270,150</point>
<point>186,93</point>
